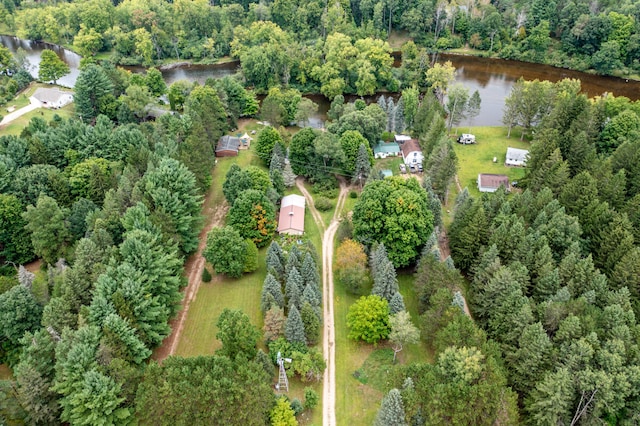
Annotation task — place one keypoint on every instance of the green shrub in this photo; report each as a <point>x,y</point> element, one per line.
<point>324,204</point>
<point>311,398</point>
<point>387,136</point>
<point>206,275</point>
<point>345,229</point>
<point>353,194</point>
<point>297,406</point>
<point>251,259</point>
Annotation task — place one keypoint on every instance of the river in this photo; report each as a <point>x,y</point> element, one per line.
<point>493,78</point>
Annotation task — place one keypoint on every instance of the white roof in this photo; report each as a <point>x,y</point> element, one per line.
<point>292,200</point>
<point>517,154</point>
<point>246,136</point>
<point>402,137</point>
<point>47,95</point>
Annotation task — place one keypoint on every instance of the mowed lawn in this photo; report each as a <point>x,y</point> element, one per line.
<point>358,403</point>
<point>478,158</point>
<point>16,126</point>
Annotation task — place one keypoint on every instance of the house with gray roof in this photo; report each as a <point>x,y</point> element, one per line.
<point>516,157</point>
<point>51,97</point>
<point>228,146</point>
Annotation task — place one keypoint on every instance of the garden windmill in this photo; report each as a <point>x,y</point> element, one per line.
<point>283,382</point>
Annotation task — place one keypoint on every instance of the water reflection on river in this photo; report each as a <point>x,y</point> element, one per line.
<point>493,78</point>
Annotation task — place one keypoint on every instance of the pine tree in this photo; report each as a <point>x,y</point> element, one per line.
<point>293,288</point>
<point>310,295</point>
<point>91,87</point>
<point>309,271</point>
<point>391,116</point>
<point>277,159</point>
<point>288,175</point>
<point>273,324</point>
<point>275,258</point>
<point>434,202</point>
<point>271,293</point>
<point>385,282</point>
<point>458,301</point>
<point>311,323</point>
<point>396,304</point>
<point>531,359</point>
<point>294,327</point>
<point>377,257</point>
<point>293,259</point>
<point>363,165</point>
<point>391,411</point>
<point>448,262</point>
<point>399,117</point>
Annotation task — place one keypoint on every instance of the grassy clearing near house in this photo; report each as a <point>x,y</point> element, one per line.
<point>16,126</point>
<point>478,158</point>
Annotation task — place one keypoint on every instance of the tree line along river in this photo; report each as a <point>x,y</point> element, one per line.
<point>493,78</point>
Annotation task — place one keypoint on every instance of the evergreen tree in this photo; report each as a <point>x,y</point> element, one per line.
<point>531,359</point>
<point>293,260</point>
<point>236,181</point>
<point>311,323</point>
<point>378,257</point>
<point>271,293</point>
<point>458,301</point>
<point>275,259</point>
<point>434,202</point>
<point>385,282</point>
<point>293,288</point>
<point>273,323</point>
<point>294,330</point>
<point>391,411</point>
<point>288,175</point>
<point>91,88</point>
<point>552,400</point>
<point>467,234</point>
<point>309,272</point>
<point>396,304</point>
<point>362,166</point>
<point>49,231</point>
<point>311,295</point>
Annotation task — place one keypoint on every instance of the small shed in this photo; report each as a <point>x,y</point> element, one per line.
<point>516,157</point>
<point>228,146</point>
<point>291,220</point>
<point>491,183</point>
<point>51,97</point>
<point>411,152</point>
<point>386,173</point>
<point>245,141</point>
<point>401,138</point>
<point>384,150</point>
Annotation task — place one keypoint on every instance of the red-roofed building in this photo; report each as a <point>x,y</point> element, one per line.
<point>491,183</point>
<point>291,220</point>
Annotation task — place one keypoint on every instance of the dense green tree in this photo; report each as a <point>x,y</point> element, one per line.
<point>34,376</point>
<point>19,313</point>
<point>267,139</point>
<point>531,359</point>
<point>47,226</point>
<point>368,319</point>
<point>273,324</point>
<point>552,400</point>
<point>226,251</point>
<point>171,193</point>
<point>468,233</point>
<point>238,336</point>
<point>301,151</point>
<point>271,294</point>
<point>362,166</point>
<point>394,212</point>
<point>236,181</point>
<point>275,260</point>
<point>253,215</point>
<point>173,393</point>
<point>155,82</point>
<point>91,88</point>
<point>14,238</point>
<point>385,281</point>
<point>51,67</point>
<point>294,288</point>
<point>282,414</point>
<point>441,166</point>
<point>311,323</point>
<point>294,330</point>
<point>396,304</point>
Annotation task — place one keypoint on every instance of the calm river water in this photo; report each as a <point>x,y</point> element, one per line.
<point>493,78</point>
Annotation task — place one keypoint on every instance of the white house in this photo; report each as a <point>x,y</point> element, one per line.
<point>411,152</point>
<point>491,183</point>
<point>51,97</point>
<point>516,157</point>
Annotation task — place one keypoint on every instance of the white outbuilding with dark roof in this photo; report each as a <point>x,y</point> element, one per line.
<point>516,157</point>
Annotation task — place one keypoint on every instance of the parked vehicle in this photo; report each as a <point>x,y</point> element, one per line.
<point>420,168</point>
<point>466,139</point>
<point>403,168</point>
<point>413,168</point>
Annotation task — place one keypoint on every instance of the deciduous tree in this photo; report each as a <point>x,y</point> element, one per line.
<point>238,336</point>
<point>226,251</point>
<point>403,332</point>
<point>368,319</point>
<point>51,67</point>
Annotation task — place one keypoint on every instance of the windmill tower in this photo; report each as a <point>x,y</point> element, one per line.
<point>283,381</point>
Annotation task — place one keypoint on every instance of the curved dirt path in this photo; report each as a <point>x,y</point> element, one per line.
<point>193,270</point>
<point>328,333</point>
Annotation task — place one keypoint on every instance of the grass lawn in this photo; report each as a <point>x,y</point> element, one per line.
<point>358,399</point>
<point>16,126</point>
<point>478,158</point>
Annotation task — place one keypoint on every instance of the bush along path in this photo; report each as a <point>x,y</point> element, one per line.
<point>328,340</point>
